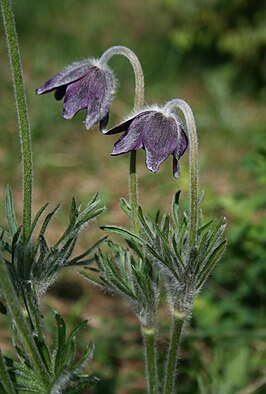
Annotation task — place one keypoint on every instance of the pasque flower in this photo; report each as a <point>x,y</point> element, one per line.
<point>159,131</point>
<point>87,84</point>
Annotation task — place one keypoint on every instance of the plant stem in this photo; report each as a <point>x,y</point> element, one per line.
<point>22,112</point>
<point>173,351</point>
<point>5,378</point>
<point>150,359</point>
<point>17,316</point>
<point>133,190</point>
<point>138,104</point>
<point>193,166</point>
<point>134,61</point>
<point>148,332</point>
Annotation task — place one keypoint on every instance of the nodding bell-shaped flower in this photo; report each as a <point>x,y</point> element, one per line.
<point>160,132</point>
<point>87,84</point>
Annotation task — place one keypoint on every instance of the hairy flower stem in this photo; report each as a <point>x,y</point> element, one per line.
<point>22,112</point>
<point>151,359</point>
<point>138,104</point>
<point>173,351</point>
<point>133,190</point>
<point>18,318</point>
<point>193,166</point>
<point>5,378</point>
<point>148,333</point>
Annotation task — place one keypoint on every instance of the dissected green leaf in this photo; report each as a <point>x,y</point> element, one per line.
<point>216,234</point>
<point>126,234</point>
<point>211,262</point>
<point>61,340</point>
<point>78,259</point>
<point>177,252</point>
<point>89,213</point>
<point>134,246</point>
<point>77,330</point>
<point>124,205</point>
<point>165,263</point>
<point>73,213</point>
<point>145,224</point>
<point>48,219</point>
<point>36,219</point>
<point>175,208</point>
<point>157,217</point>
<point>10,212</point>
<point>91,278</point>
<point>166,243</point>
<point>166,226</point>
<point>5,379</point>
<point>5,241</point>
<point>93,199</point>
<point>204,227</point>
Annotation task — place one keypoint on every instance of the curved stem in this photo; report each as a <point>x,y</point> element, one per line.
<point>193,165</point>
<point>173,352</point>
<point>134,61</point>
<point>22,112</point>
<point>138,104</point>
<point>17,316</point>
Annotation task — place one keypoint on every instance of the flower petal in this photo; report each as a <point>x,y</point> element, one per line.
<point>119,128</point>
<point>100,96</point>
<point>160,140</point>
<point>67,75</point>
<point>184,143</point>
<point>124,126</point>
<point>176,169</point>
<point>132,139</point>
<point>127,142</point>
<point>104,121</point>
<point>76,97</point>
<point>178,153</point>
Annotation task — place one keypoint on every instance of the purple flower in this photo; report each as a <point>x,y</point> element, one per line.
<point>161,133</point>
<point>87,84</point>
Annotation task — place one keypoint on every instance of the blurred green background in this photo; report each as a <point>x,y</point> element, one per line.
<point>212,53</point>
